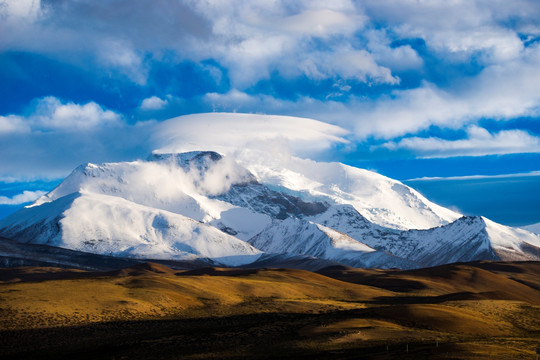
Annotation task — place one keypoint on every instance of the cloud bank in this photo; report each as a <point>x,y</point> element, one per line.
<point>479,142</point>
<point>55,136</point>
<point>92,81</point>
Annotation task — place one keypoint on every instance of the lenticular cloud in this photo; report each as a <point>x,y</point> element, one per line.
<point>228,132</point>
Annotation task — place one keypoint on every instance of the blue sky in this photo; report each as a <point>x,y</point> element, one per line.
<point>423,89</point>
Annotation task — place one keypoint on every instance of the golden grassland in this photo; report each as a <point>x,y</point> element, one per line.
<point>460,311</point>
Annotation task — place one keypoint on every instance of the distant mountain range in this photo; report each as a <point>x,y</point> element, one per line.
<point>203,206</point>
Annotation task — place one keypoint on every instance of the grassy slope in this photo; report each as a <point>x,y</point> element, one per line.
<point>473,310</point>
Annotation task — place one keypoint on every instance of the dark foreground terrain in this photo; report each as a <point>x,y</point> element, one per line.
<point>148,311</point>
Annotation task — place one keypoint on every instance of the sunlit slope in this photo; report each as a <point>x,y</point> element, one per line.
<point>154,291</point>
<point>111,225</point>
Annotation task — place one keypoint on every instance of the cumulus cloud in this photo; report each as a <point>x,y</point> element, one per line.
<point>252,39</point>
<point>460,29</point>
<point>260,38</point>
<point>54,136</point>
<point>49,113</point>
<point>501,92</point>
<point>479,142</point>
<point>24,197</point>
<point>346,63</point>
<point>13,124</point>
<point>498,92</point>
<point>115,34</point>
<point>153,103</point>
<point>400,58</point>
<point>257,38</point>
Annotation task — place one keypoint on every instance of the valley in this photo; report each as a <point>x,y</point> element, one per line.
<point>457,311</point>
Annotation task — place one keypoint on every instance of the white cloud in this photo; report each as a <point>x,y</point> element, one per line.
<point>13,124</point>
<point>117,35</point>
<point>251,39</point>
<point>51,113</point>
<point>20,10</point>
<point>329,111</point>
<point>153,103</point>
<point>228,132</point>
<point>471,177</point>
<point>53,145</point>
<point>479,142</point>
<point>499,92</point>
<point>54,136</point>
<point>396,58</point>
<point>24,197</point>
<point>121,55</point>
<point>54,153</point>
<point>256,38</point>
<point>460,29</point>
<point>346,63</point>
<point>316,22</point>
<point>409,111</point>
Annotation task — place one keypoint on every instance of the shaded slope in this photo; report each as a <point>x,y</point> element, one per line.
<point>379,199</point>
<point>468,281</point>
<point>302,237</point>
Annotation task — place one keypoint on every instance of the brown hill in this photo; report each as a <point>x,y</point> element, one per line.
<point>146,268</point>
<point>515,280</point>
<point>149,310</point>
<point>153,290</point>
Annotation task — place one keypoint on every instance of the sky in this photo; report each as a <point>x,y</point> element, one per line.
<point>432,90</point>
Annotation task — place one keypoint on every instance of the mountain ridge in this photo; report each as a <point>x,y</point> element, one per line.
<point>202,204</point>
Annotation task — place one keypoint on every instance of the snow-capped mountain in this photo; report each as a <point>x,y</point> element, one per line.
<point>379,199</point>
<point>466,239</point>
<point>111,225</point>
<point>298,236</point>
<point>205,205</point>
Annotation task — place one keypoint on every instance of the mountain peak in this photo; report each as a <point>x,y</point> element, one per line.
<point>186,158</point>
